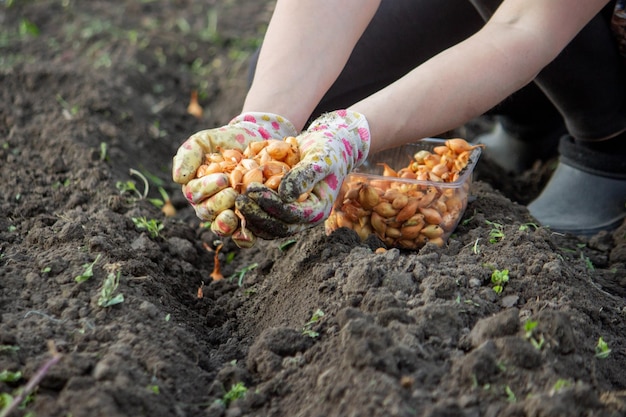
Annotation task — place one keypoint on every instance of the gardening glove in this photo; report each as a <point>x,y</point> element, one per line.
<point>332,146</point>
<point>243,129</point>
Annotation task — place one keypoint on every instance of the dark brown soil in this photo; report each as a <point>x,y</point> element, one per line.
<point>402,333</point>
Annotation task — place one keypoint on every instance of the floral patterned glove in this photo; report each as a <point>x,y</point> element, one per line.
<point>243,129</point>
<point>332,146</point>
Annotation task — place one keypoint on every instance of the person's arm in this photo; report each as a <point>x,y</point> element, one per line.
<point>307,44</point>
<point>471,77</point>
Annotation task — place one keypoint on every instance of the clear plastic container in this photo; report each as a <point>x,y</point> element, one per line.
<point>404,213</point>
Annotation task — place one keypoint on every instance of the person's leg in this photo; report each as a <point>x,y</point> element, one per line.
<point>520,137</point>
<point>587,85</point>
<point>587,82</point>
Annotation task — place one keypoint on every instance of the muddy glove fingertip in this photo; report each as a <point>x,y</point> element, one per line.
<point>258,221</point>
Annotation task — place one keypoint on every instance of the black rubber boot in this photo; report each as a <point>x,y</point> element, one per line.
<point>516,148</point>
<point>586,194</point>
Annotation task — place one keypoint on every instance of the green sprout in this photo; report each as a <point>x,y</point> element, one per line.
<point>588,262</point>
<point>465,222</point>
<point>496,233</point>
<point>529,330</point>
<point>9,349</point>
<point>68,109</point>
<point>103,151</point>
<point>59,184</point>
<point>126,187</point>
<point>160,202</point>
<point>28,28</point>
<point>510,395</point>
<point>602,349</point>
<point>154,388</point>
<point>109,286</point>
<point>499,279</point>
<point>306,330</point>
<point>230,256</point>
<point>475,247</point>
<point>561,384</point>
<point>242,272</point>
<point>283,246</point>
<point>527,226</point>
<point>152,226</point>
<point>238,390</point>
<point>130,186</point>
<point>8,376</point>
<point>87,272</point>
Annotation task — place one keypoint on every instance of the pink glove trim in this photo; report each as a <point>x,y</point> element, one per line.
<point>268,125</point>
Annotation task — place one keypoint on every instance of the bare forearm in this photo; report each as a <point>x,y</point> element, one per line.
<point>306,46</point>
<point>470,78</point>
<point>442,94</point>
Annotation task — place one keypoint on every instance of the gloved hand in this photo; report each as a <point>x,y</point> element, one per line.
<point>243,129</point>
<point>332,146</point>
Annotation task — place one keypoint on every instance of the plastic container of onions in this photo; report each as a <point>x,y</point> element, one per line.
<point>410,195</point>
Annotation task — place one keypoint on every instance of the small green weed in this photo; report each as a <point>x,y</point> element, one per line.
<point>588,262</point>
<point>103,151</point>
<point>283,246</point>
<point>510,395</point>
<point>602,349</point>
<point>475,247</point>
<point>126,187</point>
<point>160,202</point>
<point>109,286</point>
<point>242,272</point>
<point>306,330</point>
<point>88,271</point>
<point>153,388</point>
<point>9,349</point>
<point>28,28</point>
<point>238,390</point>
<point>465,222</point>
<point>496,233</point>
<point>130,187</point>
<point>529,333</point>
<point>8,376</point>
<point>561,384</point>
<point>499,278</point>
<point>527,226</point>
<point>230,256</point>
<point>59,184</point>
<point>152,226</point>
<point>69,111</point>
